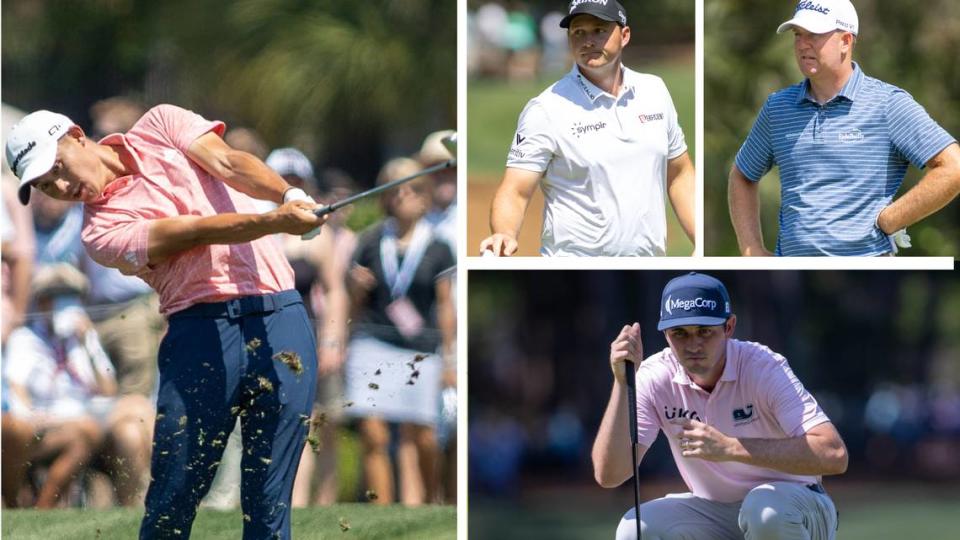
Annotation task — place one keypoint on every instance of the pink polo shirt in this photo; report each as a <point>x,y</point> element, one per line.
<point>757,396</point>
<point>169,184</point>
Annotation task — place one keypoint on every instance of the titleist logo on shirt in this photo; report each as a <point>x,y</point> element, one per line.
<point>576,3</point>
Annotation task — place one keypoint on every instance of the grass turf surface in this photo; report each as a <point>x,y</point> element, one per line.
<point>884,514</point>
<point>365,521</point>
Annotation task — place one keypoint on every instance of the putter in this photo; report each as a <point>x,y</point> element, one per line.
<point>632,408</point>
<point>449,142</point>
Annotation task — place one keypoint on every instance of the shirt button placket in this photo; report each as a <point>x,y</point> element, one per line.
<point>818,124</point>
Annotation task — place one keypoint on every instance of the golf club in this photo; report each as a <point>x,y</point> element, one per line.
<point>449,142</point>
<point>632,408</point>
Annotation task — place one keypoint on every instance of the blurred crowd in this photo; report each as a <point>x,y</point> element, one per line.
<point>80,341</point>
<point>513,40</point>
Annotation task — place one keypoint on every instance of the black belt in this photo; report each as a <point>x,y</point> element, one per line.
<point>245,305</point>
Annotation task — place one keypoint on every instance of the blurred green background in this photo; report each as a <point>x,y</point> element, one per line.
<point>506,71</point>
<point>352,84</point>
<point>911,45</point>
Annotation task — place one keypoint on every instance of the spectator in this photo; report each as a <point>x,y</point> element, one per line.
<point>62,383</point>
<point>392,375</point>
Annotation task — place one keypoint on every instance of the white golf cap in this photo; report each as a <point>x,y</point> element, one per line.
<point>822,16</point>
<point>32,147</point>
<point>433,150</point>
<point>290,162</point>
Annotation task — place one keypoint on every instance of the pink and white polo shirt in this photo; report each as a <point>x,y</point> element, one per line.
<point>169,184</point>
<point>757,396</point>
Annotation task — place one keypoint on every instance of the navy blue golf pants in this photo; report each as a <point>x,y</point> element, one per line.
<point>253,357</point>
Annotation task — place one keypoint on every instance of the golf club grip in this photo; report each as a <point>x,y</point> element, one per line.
<point>330,208</point>
<point>631,398</point>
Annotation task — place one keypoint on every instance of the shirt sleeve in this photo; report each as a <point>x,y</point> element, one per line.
<point>676,143</point>
<point>115,233</point>
<point>179,127</point>
<point>795,409</point>
<point>533,144</point>
<point>755,157</point>
<point>23,351</point>
<point>915,135</point>
<point>648,423</point>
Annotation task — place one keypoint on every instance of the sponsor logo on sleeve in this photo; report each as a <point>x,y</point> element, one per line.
<point>514,151</point>
<point>644,118</point>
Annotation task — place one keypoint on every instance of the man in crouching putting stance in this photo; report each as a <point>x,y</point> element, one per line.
<point>171,203</point>
<point>750,442</point>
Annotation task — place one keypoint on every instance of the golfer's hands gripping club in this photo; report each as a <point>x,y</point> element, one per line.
<point>296,217</point>
<point>628,347</point>
<point>297,194</point>
<point>498,245</point>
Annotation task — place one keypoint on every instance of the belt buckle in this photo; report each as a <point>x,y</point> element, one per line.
<point>233,308</point>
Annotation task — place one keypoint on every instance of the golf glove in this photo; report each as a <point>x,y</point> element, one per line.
<point>297,194</point>
<point>899,239</point>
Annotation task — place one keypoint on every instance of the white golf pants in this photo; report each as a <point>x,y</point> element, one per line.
<point>774,511</point>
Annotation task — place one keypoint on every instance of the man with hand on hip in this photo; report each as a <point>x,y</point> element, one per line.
<point>171,203</point>
<point>750,442</point>
<point>604,145</point>
<point>843,142</point>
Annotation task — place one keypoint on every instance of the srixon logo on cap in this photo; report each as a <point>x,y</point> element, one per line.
<point>576,3</point>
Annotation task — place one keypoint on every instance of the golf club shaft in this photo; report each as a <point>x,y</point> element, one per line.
<point>632,408</point>
<point>379,189</point>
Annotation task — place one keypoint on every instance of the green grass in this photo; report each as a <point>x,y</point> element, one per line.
<point>493,108</point>
<point>365,521</point>
<point>883,514</point>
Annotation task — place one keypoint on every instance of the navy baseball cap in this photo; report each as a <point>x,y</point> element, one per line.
<point>694,300</point>
<point>608,10</point>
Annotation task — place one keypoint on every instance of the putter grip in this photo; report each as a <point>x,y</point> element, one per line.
<point>631,399</point>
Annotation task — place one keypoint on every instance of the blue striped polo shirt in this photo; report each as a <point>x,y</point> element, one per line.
<point>840,163</point>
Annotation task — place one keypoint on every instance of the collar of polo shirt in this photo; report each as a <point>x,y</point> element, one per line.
<point>849,90</point>
<point>593,91</point>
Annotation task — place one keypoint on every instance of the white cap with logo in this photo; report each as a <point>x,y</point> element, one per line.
<point>822,16</point>
<point>32,147</point>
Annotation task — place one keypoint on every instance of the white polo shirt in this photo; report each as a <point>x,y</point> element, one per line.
<point>604,160</point>
<point>757,396</point>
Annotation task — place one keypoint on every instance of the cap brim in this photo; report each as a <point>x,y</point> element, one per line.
<point>38,166</point>
<point>565,22</point>
<point>810,23</point>
<point>691,321</point>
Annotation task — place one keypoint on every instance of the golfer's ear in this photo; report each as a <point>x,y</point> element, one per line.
<point>730,326</point>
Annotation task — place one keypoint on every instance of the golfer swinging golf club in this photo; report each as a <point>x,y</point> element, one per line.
<point>750,442</point>
<point>165,202</point>
<point>843,142</point>
<point>604,145</point>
